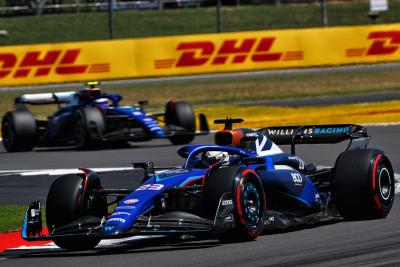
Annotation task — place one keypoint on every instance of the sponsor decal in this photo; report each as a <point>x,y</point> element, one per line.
<point>118,213</point>
<point>228,218</point>
<point>131,201</point>
<point>154,187</point>
<point>227,202</point>
<point>297,178</point>
<point>308,131</point>
<point>331,130</point>
<point>280,131</point>
<point>108,228</point>
<point>269,220</point>
<point>300,161</point>
<point>231,51</point>
<point>117,220</point>
<point>251,134</point>
<point>285,132</point>
<point>384,43</point>
<point>46,63</point>
<point>125,208</point>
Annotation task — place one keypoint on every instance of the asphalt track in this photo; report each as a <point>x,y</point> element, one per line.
<point>355,243</point>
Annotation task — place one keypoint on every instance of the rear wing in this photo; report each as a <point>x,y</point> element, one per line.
<point>318,134</point>
<point>45,98</point>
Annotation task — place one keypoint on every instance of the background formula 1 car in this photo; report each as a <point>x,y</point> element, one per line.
<point>89,117</point>
<point>234,190</point>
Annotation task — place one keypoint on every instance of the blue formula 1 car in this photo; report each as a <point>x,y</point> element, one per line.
<point>232,190</point>
<point>89,117</point>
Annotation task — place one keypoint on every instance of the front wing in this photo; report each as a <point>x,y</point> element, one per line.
<point>172,223</point>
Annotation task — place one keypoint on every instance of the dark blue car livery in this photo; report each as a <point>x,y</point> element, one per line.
<point>89,118</point>
<point>234,190</point>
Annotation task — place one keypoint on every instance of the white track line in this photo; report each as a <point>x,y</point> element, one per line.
<point>61,171</point>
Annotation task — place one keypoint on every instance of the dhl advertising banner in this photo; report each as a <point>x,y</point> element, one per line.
<point>191,54</point>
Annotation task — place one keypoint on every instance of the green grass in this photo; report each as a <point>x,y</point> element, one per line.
<point>131,24</point>
<point>11,217</point>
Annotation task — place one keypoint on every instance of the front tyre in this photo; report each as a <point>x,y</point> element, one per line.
<point>249,201</point>
<point>364,185</point>
<point>67,201</point>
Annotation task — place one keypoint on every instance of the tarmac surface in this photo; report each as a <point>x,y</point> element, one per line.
<point>351,243</point>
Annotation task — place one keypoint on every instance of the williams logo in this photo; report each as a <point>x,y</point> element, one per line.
<point>108,228</point>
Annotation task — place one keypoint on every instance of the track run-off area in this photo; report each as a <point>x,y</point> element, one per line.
<point>350,243</point>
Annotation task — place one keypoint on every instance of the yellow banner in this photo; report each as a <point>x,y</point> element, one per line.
<point>191,54</point>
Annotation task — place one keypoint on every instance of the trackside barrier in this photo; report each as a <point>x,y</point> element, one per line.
<point>194,54</point>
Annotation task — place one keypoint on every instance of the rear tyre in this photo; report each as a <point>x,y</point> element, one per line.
<point>18,130</point>
<point>364,185</point>
<point>248,198</point>
<point>180,114</point>
<point>67,200</point>
<point>88,127</point>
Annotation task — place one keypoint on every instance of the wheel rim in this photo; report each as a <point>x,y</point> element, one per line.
<point>385,184</point>
<point>251,204</point>
<point>8,134</point>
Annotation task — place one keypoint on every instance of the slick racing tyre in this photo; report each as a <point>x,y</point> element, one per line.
<point>67,201</point>
<point>248,198</point>
<point>89,125</point>
<point>180,114</point>
<point>363,185</point>
<point>18,130</point>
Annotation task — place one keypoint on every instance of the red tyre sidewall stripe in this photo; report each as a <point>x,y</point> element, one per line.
<point>239,205</point>
<point>255,174</point>
<point>86,173</point>
<point>376,198</point>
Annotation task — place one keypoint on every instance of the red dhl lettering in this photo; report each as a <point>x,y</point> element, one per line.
<point>235,51</point>
<point>383,43</point>
<point>39,64</point>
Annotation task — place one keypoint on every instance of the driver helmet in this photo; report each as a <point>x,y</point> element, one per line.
<point>102,103</point>
<point>91,91</point>
<point>215,156</point>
